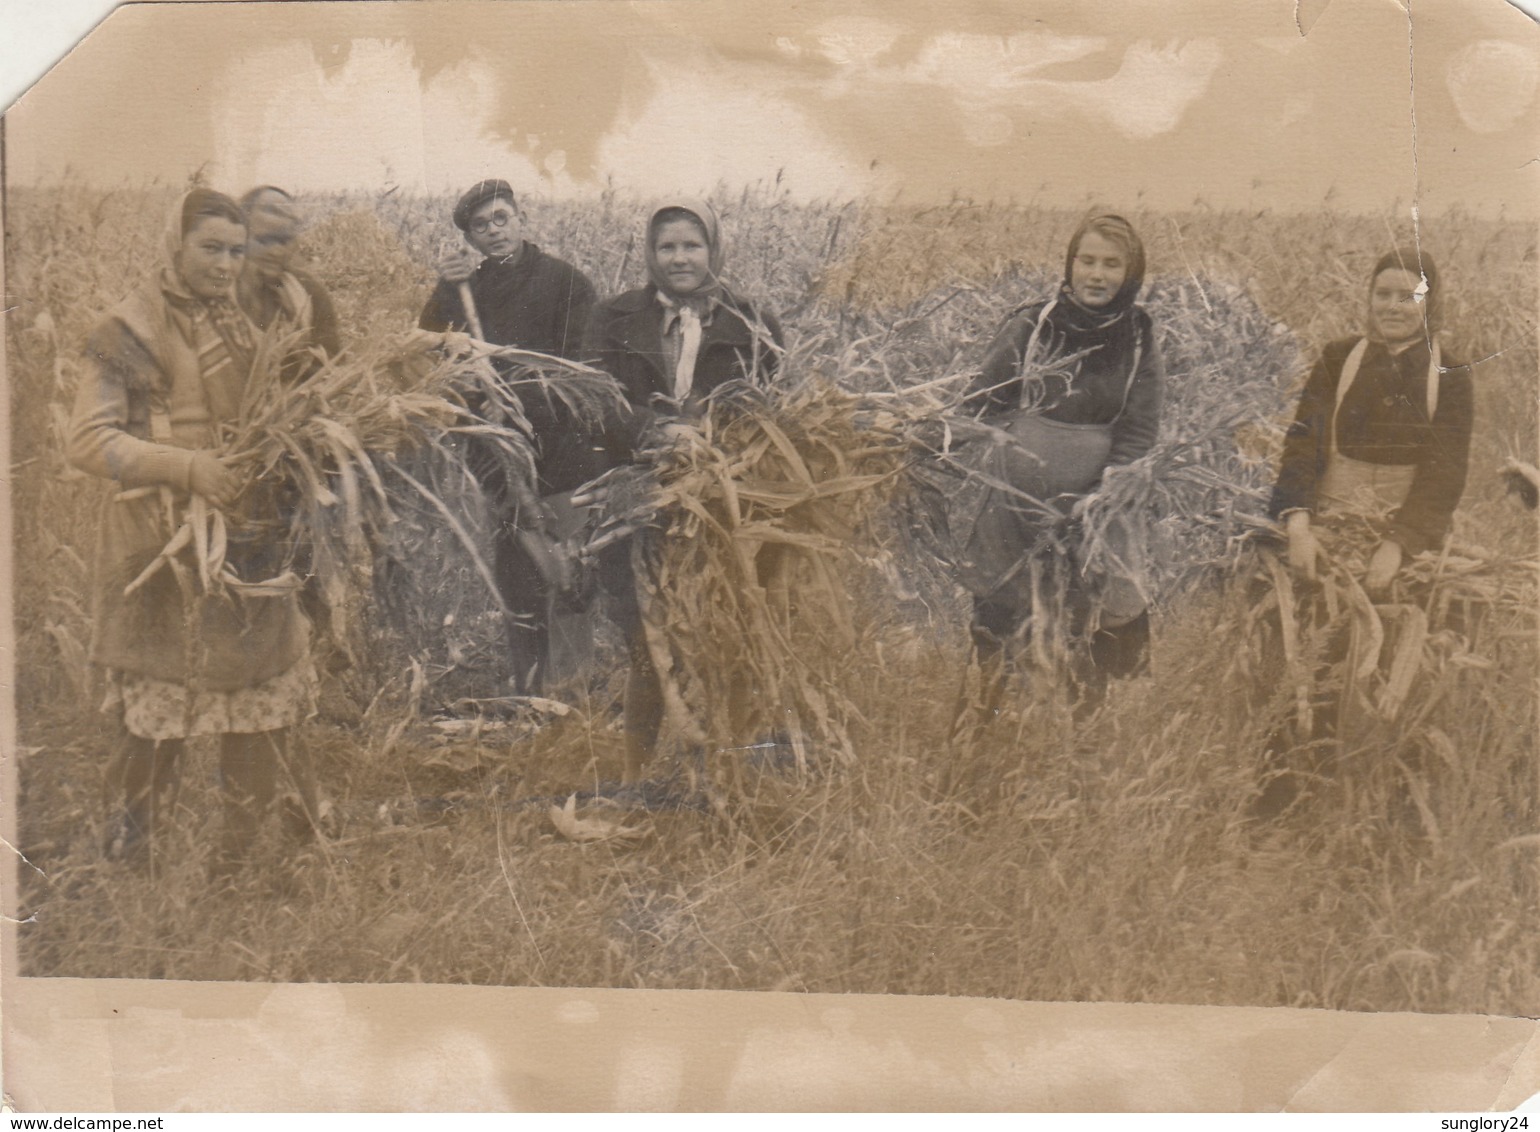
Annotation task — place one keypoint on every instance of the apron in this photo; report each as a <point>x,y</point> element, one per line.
<point>1050,461</point>
<point>1357,485</point>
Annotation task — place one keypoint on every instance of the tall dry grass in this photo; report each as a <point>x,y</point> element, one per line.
<point>1036,857</point>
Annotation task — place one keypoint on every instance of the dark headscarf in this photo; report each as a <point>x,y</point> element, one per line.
<point>1410,257</point>
<point>1067,327</point>
<point>1122,233</point>
<point>704,215</point>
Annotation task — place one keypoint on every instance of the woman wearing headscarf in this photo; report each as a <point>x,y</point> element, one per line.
<point>278,297</point>
<point>293,308</point>
<point>166,372</point>
<point>671,344</point>
<point>1074,384</point>
<point>1383,427</point>
<point>1382,434</point>
<point>674,341</point>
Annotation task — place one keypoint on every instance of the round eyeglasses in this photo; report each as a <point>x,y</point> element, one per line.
<point>483,224</point>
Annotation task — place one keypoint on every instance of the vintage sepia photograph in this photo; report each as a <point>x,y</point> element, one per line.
<point>1027,501</point>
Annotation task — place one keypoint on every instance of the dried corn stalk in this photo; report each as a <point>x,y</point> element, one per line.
<point>1379,668</point>
<point>751,508</point>
<point>324,454</point>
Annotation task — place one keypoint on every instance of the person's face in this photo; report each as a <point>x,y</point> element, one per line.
<point>211,256</point>
<point>681,251</point>
<point>1100,267</point>
<point>1395,306</point>
<point>270,244</point>
<point>494,227</point>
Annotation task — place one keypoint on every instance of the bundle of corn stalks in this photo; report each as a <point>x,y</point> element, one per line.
<point>1189,494</point>
<point>322,460</point>
<point>749,510</point>
<point>1229,367</point>
<point>1446,610</point>
<point>1168,518</point>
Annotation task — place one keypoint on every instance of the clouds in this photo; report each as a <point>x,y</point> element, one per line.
<point>280,117</point>
<point>706,121</point>
<point>994,82</point>
<point>854,43</point>
<point>1028,100</point>
<point>1493,82</point>
<point>1155,86</point>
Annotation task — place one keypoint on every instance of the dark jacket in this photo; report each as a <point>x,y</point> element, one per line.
<point>323,326</point>
<point>1383,420</point>
<point>625,339</point>
<point>1090,390</point>
<point>533,301</point>
<point>296,302</point>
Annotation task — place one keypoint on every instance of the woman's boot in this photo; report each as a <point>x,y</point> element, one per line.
<point>1123,651</point>
<point>148,772</point>
<point>248,770</point>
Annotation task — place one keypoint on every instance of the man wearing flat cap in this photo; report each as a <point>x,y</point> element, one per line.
<point>521,297</point>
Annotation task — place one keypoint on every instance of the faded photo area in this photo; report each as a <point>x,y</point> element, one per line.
<point>1019,501</point>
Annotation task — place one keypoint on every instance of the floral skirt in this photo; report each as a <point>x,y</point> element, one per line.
<point>164,709</point>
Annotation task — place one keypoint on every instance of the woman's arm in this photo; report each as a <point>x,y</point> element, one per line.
<point>1439,481</point>
<point>100,441</point>
<point>442,311</point>
<point>1306,444</point>
<point>996,388</point>
<point>324,326</point>
<point>1136,427</point>
<point>603,351</point>
<point>766,361</point>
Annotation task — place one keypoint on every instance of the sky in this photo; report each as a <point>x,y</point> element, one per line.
<point>1152,102</point>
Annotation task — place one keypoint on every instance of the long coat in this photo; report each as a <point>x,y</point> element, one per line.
<point>1097,388</point>
<point>295,304</point>
<point>142,408</point>
<point>1093,401</point>
<point>625,339</point>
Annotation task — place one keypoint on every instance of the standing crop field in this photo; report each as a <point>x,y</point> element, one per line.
<point>1038,857</point>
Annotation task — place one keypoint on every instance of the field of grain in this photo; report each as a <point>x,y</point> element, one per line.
<point>1036,857</point>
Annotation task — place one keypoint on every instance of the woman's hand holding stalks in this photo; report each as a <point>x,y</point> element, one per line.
<point>211,477</point>
<point>213,485</point>
<point>1383,565</point>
